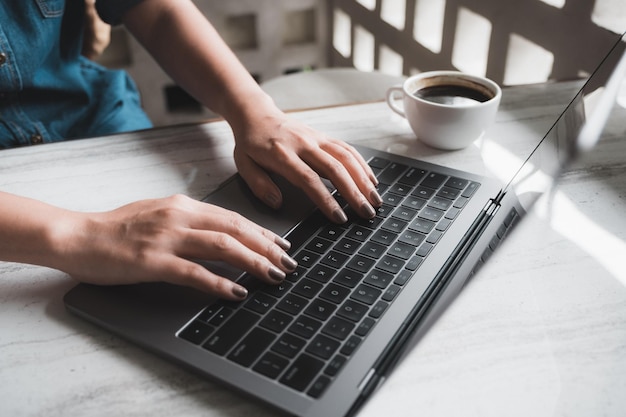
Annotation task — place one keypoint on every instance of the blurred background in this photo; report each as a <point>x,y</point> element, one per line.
<point>513,42</point>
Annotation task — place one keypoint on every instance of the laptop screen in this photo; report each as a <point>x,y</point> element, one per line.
<point>576,130</point>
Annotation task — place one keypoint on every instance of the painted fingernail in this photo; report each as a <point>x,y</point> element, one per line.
<point>272,200</point>
<point>283,243</point>
<point>340,216</point>
<point>368,211</point>
<point>376,198</point>
<point>276,274</point>
<point>374,179</point>
<point>288,262</point>
<point>239,291</point>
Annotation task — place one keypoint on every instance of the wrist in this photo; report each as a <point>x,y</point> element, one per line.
<point>244,107</point>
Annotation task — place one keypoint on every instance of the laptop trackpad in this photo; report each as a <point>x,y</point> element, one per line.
<point>234,194</point>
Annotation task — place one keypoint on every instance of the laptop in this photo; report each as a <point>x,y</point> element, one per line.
<point>320,343</point>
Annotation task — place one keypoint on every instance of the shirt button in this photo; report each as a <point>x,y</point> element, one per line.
<point>36,139</point>
<point>3,58</point>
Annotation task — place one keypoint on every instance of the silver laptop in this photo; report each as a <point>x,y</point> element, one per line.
<point>322,342</point>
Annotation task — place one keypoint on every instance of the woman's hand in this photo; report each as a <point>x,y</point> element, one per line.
<point>271,142</point>
<point>157,240</point>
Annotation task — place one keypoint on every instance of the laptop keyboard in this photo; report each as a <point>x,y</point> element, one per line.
<point>302,331</point>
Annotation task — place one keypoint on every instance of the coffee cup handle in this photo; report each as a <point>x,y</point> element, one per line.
<point>391,94</point>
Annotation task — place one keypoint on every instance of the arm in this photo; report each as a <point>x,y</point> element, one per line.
<point>151,240</point>
<point>187,46</point>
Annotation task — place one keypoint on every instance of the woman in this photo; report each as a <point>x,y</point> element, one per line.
<point>49,92</point>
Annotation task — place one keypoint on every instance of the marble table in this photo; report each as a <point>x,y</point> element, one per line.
<point>540,331</point>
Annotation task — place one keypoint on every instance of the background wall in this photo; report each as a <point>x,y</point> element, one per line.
<point>512,42</point>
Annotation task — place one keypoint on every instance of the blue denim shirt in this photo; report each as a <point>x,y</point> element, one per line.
<point>48,91</point>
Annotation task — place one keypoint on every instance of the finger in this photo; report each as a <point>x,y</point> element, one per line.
<point>359,158</point>
<point>306,178</point>
<point>184,272</point>
<point>336,171</point>
<point>210,217</point>
<point>269,263</point>
<point>354,165</point>
<point>259,181</point>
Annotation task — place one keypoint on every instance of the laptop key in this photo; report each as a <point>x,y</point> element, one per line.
<point>412,237</point>
<point>376,311</point>
<point>271,365</point>
<point>338,328</point>
<point>307,288</point>
<point>378,278</point>
<point>249,349</point>
<point>457,183</point>
<point>319,386</point>
<point>230,333</point>
<point>288,345</point>
<point>373,250</point>
<point>378,162</point>
<point>366,294</point>
<point>334,293</point>
<point>320,309</point>
<point>348,278</point>
<point>350,346</point>
<point>305,230</point>
<point>221,316</point>
<point>361,263</point>
<point>292,304</point>
<point>260,302</point>
<point>365,326</point>
<point>196,332</point>
<point>393,171</point>
<point>412,176</point>
<point>321,273</point>
<point>434,180</point>
<point>278,290</point>
<point>305,326</point>
<point>352,310</point>
<point>422,226</point>
<point>402,250</point>
<point>276,321</point>
<point>390,264</point>
<point>431,214</point>
<point>301,372</point>
<point>335,364</point>
<point>323,346</point>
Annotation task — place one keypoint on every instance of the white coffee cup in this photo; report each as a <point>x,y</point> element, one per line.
<point>447,109</point>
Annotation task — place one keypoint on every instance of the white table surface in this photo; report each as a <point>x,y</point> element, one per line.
<point>540,331</point>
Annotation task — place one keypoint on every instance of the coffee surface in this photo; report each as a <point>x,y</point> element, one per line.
<point>453,95</point>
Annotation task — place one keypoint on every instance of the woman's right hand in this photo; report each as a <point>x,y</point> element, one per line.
<point>157,240</point>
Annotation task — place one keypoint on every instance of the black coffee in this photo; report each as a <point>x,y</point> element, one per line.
<point>451,95</point>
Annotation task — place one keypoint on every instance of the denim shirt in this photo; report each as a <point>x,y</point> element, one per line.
<point>48,91</point>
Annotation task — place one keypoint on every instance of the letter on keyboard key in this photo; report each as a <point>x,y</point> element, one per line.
<point>300,374</point>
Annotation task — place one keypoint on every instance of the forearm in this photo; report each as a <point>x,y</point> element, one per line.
<point>191,51</point>
<point>34,232</point>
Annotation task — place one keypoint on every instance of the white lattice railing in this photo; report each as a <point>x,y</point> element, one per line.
<point>510,41</point>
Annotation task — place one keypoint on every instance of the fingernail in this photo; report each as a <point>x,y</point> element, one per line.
<point>283,243</point>
<point>340,216</point>
<point>374,179</point>
<point>272,200</point>
<point>239,291</point>
<point>376,198</point>
<point>288,262</point>
<point>368,211</point>
<point>276,274</point>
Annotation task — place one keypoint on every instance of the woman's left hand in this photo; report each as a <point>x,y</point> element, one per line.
<point>275,143</point>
